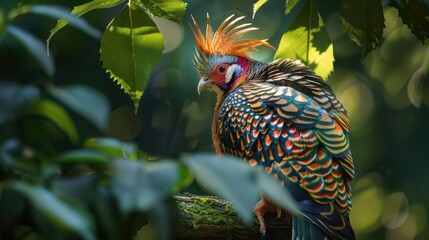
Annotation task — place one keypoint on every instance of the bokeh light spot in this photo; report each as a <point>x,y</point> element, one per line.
<point>357,99</point>
<point>395,210</point>
<point>123,124</point>
<point>367,204</point>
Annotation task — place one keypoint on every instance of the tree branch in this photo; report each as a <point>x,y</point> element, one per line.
<point>209,217</point>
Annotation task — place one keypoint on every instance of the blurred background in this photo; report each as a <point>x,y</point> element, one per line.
<point>386,95</point>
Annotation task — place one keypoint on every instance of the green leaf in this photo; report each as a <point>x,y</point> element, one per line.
<point>141,185</point>
<point>14,98</point>
<point>363,22</point>
<point>87,102</point>
<point>35,47</point>
<point>61,13</point>
<point>185,179</point>
<point>95,4</point>
<point>228,177</point>
<point>82,156</point>
<point>55,113</point>
<point>414,13</point>
<point>81,10</point>
<point>131,46</point>
<point>290,4</point>
<point>55,210</point>
<point>276,193</point>
<point>306,39</point>
<point>170,9</point>
<point>112,147</point>
<point>238,182</point>
<point>258,5</point>
<point>6,152</point>
<point>16,10</point>
<point>13,156</point>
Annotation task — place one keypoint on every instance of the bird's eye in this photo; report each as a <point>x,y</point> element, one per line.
<point>222,69</point>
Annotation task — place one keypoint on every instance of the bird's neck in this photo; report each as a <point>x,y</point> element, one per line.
<point>215,131</point>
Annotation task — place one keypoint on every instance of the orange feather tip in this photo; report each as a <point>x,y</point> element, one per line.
<point>226,39</point>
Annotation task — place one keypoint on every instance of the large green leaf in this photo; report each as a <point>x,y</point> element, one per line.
<point>86,101</point>
<point>363,22</point>
<point>170,9</point>
<point>81,10</point>
<point>141,185</point>
<point>130,48</point>
<point>258,5</point>
<point>35,47</point>
<point>55,113</point>
<point>237,182</point>
<point>306,39</point>
<point>414,13</point>
<point>55,210</point>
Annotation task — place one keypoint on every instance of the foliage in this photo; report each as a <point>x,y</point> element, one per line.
<point>306,37</point>
<point>414,14</point>
<point>61,178</point>
<point>132,44</point>
<point>130,48</point>
<point>366,29</point>
<point>35,47</point>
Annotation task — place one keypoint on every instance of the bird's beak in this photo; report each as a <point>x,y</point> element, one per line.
<point>203,84</point>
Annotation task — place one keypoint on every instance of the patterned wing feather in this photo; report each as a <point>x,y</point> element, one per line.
<point>277,126</point>
<point>285,72</point>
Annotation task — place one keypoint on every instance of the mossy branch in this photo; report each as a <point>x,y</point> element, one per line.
<point>209,217</point>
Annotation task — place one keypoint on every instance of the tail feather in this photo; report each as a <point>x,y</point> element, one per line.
<point>322,220</point>
<point>316,221</point>
<point>304,230</point>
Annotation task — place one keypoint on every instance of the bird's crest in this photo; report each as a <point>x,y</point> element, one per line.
<point>225,41</point>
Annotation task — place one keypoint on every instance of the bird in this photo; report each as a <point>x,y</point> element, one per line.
<point>282,117</point>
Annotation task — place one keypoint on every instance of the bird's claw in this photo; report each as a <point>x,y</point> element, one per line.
<point>279,212</point>
<point>262,207</point>
<point>263,234</point>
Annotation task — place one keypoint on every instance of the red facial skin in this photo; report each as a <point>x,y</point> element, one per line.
<point>219,72</point>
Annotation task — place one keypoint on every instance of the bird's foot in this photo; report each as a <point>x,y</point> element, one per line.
<point>261,208</point>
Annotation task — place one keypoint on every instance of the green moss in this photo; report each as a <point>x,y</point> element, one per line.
<point>211,211</point>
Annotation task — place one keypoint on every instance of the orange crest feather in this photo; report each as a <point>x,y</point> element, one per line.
<point>225,41</point>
